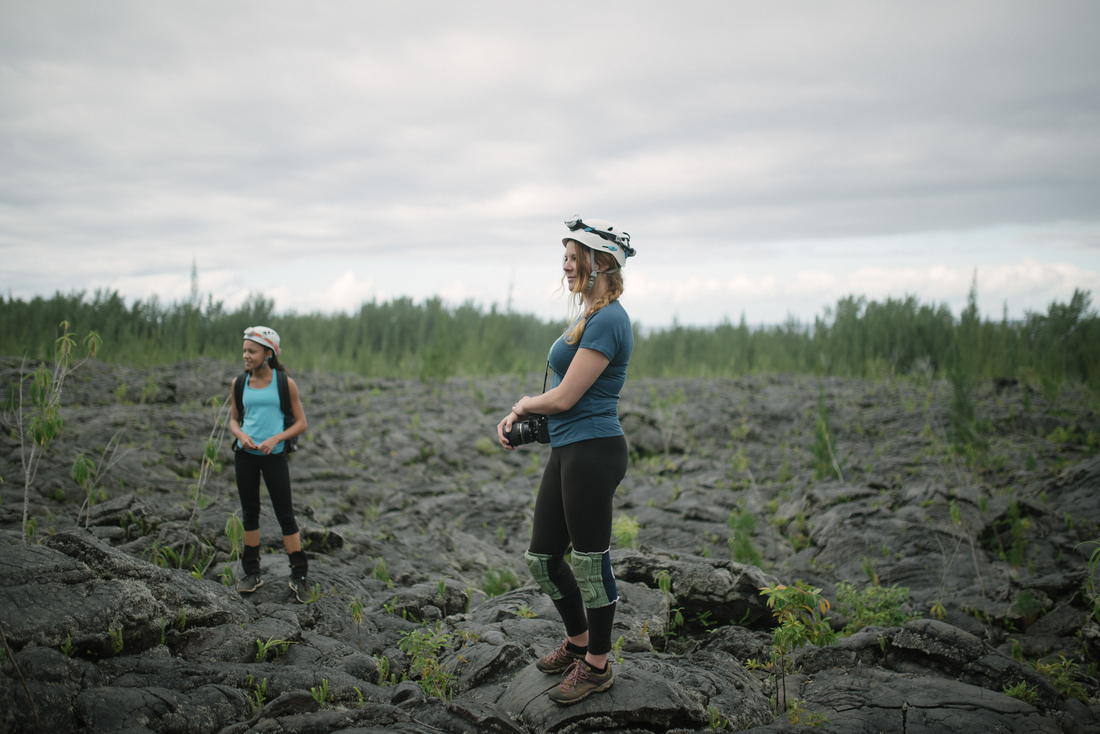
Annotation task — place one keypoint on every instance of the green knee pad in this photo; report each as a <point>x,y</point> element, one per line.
<point>539,565</point>
<point>595,579</point>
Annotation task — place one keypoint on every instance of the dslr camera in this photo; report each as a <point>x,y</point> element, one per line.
<point>535,428</point>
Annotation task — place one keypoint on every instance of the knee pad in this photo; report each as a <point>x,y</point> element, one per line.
<point>551,573</point>
<point>595,579</point>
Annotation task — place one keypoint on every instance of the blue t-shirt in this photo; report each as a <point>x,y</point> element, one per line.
<point>596,414</point>
<point>263,414</point>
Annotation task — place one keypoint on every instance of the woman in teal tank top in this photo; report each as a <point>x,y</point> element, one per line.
<point>261,437</point>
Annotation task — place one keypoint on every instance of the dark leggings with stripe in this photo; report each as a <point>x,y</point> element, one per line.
<point>573,507</point>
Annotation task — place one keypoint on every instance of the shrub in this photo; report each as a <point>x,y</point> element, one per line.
<point>874,606</point>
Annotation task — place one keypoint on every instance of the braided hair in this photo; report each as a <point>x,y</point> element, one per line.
<point>604,261</point>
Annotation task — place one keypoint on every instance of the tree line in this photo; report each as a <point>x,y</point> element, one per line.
<point>431,340</point>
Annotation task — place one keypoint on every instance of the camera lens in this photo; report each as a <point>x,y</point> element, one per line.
<point>520,434</point>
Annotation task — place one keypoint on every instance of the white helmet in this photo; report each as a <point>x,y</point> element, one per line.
<point>599,234</point>
<point>264,336</point>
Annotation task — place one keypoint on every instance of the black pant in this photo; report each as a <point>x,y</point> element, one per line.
<point>276,475</point>
<point>574,507</point>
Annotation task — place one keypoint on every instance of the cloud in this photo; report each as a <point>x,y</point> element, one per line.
<point>302,152</point>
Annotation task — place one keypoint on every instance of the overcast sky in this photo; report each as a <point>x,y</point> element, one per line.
<point>767,158</point>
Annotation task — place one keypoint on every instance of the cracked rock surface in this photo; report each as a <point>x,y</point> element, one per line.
<point>423,618</point>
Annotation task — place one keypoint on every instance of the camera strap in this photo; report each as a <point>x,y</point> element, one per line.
<point>545,375</point>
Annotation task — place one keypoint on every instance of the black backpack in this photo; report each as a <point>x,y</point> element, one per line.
<point>291,444</point>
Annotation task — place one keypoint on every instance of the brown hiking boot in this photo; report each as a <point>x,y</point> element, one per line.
<point>559,659</point>
<point>580,682</point>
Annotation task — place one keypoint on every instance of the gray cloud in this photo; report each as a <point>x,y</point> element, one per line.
<point>136,138</point>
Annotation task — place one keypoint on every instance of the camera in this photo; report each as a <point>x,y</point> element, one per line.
<point>535,428</point>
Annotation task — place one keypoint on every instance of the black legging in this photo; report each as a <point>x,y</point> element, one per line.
<point>574,507</point>
<point>276,476</point>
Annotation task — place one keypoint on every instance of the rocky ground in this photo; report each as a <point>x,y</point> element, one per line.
<point>423,618</point>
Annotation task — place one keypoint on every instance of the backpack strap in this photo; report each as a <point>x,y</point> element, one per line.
<point>238,399</point>
<point>238,394</point>
<point>290,445</point>
<point>282,383</point>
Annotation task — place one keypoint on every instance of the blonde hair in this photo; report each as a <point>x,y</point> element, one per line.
<point>604,261</point>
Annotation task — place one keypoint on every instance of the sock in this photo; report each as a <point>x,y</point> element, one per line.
<point>250,560</point>
<point>299,565</point>
<point>578,649</point>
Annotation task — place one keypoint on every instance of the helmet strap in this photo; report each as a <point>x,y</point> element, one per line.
<point>592,273</point>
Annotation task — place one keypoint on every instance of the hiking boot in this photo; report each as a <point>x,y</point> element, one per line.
<point>581,681</point>
<point>559,659</point>
<point>249,583</point>
<point>300,587</point>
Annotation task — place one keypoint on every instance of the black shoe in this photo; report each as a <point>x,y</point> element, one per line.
<point>300,586</point>
<point>249,583</point>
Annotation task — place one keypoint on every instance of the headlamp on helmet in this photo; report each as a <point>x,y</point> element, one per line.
<point>601,235</point>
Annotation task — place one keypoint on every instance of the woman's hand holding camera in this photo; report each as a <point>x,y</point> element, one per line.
<point>505,426</point>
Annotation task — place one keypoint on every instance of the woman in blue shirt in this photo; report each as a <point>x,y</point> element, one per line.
<point>588,459</point>
<point>261,435</point>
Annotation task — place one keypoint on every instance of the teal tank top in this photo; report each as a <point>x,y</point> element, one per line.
<point>263,415</point>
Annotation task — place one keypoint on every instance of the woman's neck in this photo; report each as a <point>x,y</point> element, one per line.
<point>262,372</point>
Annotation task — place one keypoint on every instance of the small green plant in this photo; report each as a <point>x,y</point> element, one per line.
<point>799,610</point>
<point>875,605</point>
<point>1018,527</point>
<point>1061,675</point>
<point>742,548</point>
<point>423,647</point>
<point>675,621</point>
<point>210,465</point>
<point>380,572</point>
<point>67,647</point>
<point>1017,650</point>
<point>664,582</point>
<point>321,693</point>
<point>717,722</point>
<point>625,530</point>
<point>1091,593</point>
<point>617,649</point>
<point>257,696</point>
<point>271,645</point>
<point>826,464</point>
<point>797,714</point>
<point>868,566</point>
<point>674,617</point>
<point>499,581</point>
<point>703,619</point>
<point>116,640</point>
<point>234,531</point>
<point>1023,692</point>
<point>356,609</point>
<point>385,678</point>
<point>38,423</point>
<point>1028,607</point>
<point>526,612</point>
<point>314,594</point>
